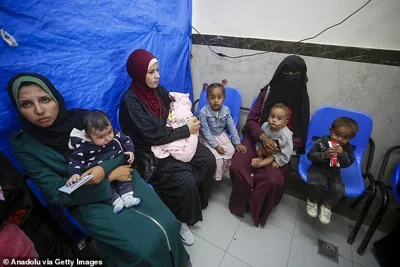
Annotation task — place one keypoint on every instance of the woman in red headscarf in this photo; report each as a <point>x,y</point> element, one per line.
<point>261,189</point>
<point>183,186</point>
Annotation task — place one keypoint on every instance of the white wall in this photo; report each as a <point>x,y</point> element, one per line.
<point>375,26</point>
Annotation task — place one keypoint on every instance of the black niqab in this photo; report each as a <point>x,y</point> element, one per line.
<point>288,86</point>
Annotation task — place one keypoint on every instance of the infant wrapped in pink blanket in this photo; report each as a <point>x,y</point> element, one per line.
<point>180,111</point>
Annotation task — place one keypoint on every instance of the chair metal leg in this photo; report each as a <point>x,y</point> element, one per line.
<point>377,219</point>
<point>364,212</point>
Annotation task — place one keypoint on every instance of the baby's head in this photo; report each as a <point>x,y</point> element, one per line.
<point>98,127</point>
<point>180,107</point>
<point>343,129</point>
<point>215,95</point>
<point>278,117</point>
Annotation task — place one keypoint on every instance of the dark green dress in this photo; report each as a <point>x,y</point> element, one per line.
<point>142,236</point>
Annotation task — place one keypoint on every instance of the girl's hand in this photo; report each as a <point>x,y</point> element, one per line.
<point>98,175</point>
<point>268,144</point>
<point>122,173</point>
<point>73,179</point>
<point>241,148</point>
<point>131,156</point>
<point>220,150</point>
<point>194,125</point>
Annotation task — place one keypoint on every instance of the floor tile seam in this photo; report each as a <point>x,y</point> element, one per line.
<point>237,227</point>
<point>222,259</point>
<point>239,259</point>
<point>241,220</point>
<point>280,227</point>
<point>208,242</point>
<point>291,243</point>
<point>290,251</point>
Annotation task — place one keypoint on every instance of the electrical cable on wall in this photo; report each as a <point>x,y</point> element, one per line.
<point>302,40</point>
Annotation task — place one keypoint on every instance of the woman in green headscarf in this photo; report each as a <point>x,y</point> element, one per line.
<point>146,235</point>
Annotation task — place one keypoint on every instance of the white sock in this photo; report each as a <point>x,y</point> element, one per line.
<point>129,200</point>
<point>118,205</point>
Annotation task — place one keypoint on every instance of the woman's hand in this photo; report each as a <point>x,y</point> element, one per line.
<point>98,175</point>
<point>241,148</point>
<point>122,173</point>
<point>194,125</point>
<point>268,144</point>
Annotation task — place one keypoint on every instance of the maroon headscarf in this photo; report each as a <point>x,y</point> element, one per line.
<point>137,66</point>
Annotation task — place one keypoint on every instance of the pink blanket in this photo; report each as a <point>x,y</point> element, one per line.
<point>179,113</point>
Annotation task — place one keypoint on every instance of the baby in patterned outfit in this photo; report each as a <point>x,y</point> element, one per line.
<point>96,143</point>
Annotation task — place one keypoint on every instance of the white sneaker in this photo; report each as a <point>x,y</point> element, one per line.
<point>325,215</point>
<point>312,209</point>
<point>186,235</point>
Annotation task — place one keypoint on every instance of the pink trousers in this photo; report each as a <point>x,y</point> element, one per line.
<point>223,161</point>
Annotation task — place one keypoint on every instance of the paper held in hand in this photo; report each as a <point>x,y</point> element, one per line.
<point>72,188</point>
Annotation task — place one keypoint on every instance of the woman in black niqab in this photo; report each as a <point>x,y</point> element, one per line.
<point>289,86</point>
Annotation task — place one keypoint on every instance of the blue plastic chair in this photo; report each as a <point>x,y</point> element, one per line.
<point>352,177</point>
<point>249,109</point>
<point>320,122</point>
<point>233,100</point>
<point>118,125</point>
<point>395,183</point>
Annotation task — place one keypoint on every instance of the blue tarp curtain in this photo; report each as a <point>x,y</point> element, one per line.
<point>82,47</point>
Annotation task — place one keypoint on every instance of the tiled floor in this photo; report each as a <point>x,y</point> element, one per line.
<point>288,239</point>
